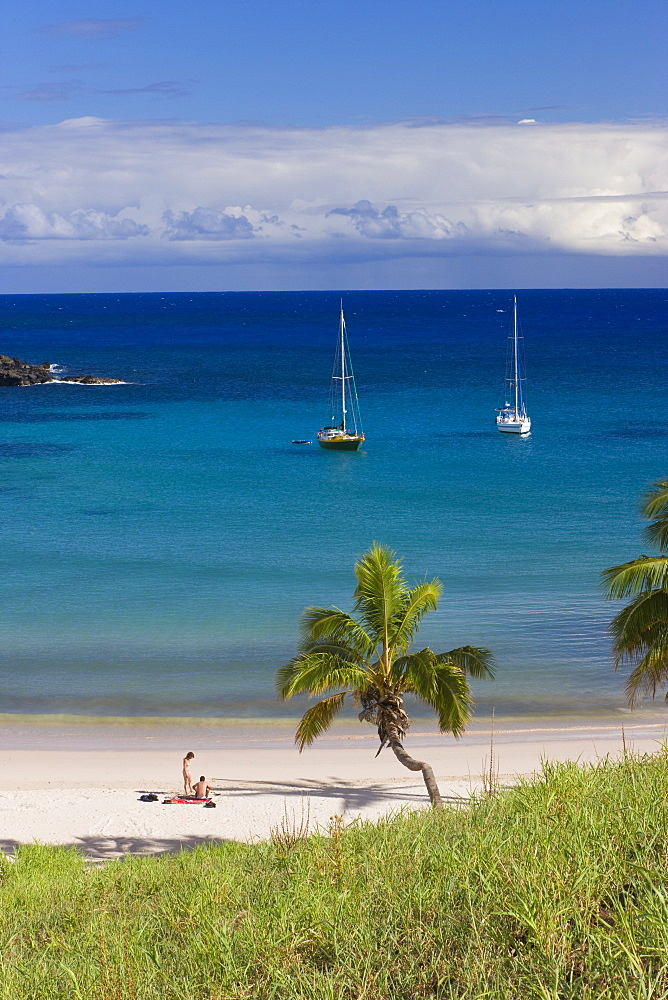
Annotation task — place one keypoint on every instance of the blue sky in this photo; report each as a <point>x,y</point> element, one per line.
<point>303,145</point>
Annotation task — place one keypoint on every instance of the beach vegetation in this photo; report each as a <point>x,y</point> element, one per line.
<point>366,656</point>
<point>640,630</point>
<point>555,889</point>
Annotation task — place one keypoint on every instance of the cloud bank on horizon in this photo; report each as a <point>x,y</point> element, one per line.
<point>109,193</point>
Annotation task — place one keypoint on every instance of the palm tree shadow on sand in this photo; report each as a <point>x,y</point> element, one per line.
<point>355,795</point>
<point>109,848</point>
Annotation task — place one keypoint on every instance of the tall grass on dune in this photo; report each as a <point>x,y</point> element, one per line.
<point>554,890</point>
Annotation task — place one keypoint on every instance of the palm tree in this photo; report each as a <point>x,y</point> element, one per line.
<point>367,657</point>
<point>640,630</point>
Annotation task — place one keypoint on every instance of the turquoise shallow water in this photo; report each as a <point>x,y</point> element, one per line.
<point>161,538</point>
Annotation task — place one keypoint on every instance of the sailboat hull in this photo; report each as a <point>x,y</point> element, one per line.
<point>341,444</point>
<point>514,426</point>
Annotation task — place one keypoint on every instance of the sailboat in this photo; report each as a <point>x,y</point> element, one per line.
<point>346,435</point>
<point>512,417</point>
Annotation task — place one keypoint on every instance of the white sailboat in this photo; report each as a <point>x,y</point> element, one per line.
<point>512,417</point>
<point>346,435</point>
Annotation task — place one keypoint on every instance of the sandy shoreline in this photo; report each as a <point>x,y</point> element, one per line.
<point>80,785</point>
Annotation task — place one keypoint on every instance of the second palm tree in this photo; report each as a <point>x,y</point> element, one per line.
<point>640,630</point>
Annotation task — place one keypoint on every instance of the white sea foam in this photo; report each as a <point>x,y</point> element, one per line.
<point>60,369</point>
<point>88,385</point>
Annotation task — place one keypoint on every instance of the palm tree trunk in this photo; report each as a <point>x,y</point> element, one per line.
<point>415,765</point>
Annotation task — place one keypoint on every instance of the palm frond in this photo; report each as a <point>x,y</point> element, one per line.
<point>380,590</point>
<point>335,626</point>
<point>633,653</point>
<point>640,638</point>
<point>336,649</point>
<point>441,684</point>
<point>318,719</point>
<point>632,628</point>
<point>640,630</point>
<point>645,573</point>
<point>650,672</point>
<point>655,509</point>
<point>475,661</point>
<point>366,653</point>
<point>400,665</point>
<point>417,603</point>
<point>315,673</point>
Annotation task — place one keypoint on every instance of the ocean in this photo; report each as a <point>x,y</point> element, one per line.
<point>161,538</point>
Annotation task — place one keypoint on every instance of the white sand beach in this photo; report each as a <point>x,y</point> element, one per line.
<point>82,787</point>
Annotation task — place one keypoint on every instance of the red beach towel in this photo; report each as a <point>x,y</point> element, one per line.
<point>176,801</point>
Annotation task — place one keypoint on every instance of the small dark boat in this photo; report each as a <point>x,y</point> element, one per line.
<point>299,441</point>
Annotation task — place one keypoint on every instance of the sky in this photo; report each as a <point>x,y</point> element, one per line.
<point>301,145</point>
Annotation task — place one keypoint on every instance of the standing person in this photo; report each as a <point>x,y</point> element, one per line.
<point>187,777</point>
<point>201,788</point>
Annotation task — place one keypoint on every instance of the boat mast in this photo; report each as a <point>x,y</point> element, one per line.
<point>517,379</point>
<point>342,325</point>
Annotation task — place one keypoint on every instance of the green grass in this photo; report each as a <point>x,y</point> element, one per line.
<point>554,889</point>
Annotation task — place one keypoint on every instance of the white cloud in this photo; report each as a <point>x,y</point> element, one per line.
<point>206,224</point>
<point>238,193</point>
<point>28,222</point>
<point>391,224</point>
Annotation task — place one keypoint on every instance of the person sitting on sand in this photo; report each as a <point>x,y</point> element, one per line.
<point>201,788</point>
<point>187,777</point>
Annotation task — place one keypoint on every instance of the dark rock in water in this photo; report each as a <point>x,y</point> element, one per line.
<point>13,371</point>
<point>91,380</point>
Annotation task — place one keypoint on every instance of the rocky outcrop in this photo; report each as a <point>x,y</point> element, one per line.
<point>13,371</point>
<point>91,380</point>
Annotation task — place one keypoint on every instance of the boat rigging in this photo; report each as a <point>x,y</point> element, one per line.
<point>513,418</point>
<point>346,435</point>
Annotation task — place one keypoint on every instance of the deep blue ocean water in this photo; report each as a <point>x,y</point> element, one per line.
<point>160,539</point>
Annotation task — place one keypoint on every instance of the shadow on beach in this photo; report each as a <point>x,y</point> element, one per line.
<point>354,794</point>
<point>343,798</point>
<point>111,848</point>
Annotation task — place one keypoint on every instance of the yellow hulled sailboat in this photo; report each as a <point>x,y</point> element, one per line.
<point>346,435</point>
